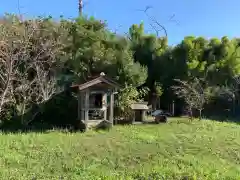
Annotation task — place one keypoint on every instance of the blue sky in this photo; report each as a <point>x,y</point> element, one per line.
<point>208,18</point>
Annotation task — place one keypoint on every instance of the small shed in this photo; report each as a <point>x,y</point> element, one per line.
<point>96,100</point>
<point>139,111</point>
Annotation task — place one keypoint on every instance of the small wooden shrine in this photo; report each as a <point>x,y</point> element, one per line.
<point>96,100</point>
<point>139,111</point>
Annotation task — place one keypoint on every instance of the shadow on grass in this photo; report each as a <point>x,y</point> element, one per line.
<point>229,119</point>
<point>41,129</point>
<point>127,122</point>
<point>58,113</point>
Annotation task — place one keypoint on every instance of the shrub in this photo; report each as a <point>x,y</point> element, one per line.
<point>104,125</point>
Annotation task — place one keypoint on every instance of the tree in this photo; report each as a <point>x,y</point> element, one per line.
<point>146,50</point>
<point>92,49</point>
<point>127,97</point>
<point>230,91</point>
<point>13,48</point>
<point>85,49</point>
<point>41,55</point>
<point>194,93</point>
<point>29,51</point>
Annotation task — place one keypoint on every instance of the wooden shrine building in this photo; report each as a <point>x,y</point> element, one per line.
<point>139,109</point>
<point>96,100</point>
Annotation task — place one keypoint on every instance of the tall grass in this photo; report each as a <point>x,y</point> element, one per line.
<point>176,150</point>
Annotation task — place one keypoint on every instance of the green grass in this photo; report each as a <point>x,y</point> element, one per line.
<point>176,150</point>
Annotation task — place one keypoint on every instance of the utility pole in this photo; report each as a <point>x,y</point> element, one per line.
<point>19,12</point>
<point>80,7</point>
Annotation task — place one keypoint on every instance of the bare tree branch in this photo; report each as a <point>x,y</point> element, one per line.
<point>171,19</point>
<point>28,53</point>
<point>153,19</point>
<point>194,93</point>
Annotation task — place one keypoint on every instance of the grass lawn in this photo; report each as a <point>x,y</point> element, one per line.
<point>176,150</point>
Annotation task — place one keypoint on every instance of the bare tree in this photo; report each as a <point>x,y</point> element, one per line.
<point>11,46</point>
<point>7,65</point>
<point>156,25</point>
<point>28,53</point>
<point>22,93</point>
<point>194,93</point>
<point>45,52</point>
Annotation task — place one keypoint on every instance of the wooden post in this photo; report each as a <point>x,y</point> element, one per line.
<point>105,105</point>
<point>82,106</point>
<point>111,108</point>
<point>134,116</point>
<point>79,105</point>
<point>143,115</point>
<point>86,107</point>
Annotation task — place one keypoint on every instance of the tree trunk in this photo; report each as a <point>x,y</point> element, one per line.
<point>3,98</point>
<point>234,106</point>
<point>200,114</point>
<point>23,112</point>
<point>6,87</point>
<point>191,113</point>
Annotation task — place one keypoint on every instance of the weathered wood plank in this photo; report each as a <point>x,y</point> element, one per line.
<point>105,105</point>
<point>86,107</point>
<point>111,115</point>
<point>79,105</point>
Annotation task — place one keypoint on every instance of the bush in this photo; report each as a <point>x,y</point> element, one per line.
<point>126,98</point>
<point>104,125</point>
<point>60,111</point>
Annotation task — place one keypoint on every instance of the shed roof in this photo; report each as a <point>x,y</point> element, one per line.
<point>140,106</point>
<point>102,78</point>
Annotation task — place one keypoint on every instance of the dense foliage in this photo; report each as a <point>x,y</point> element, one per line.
<point>40,57</point>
